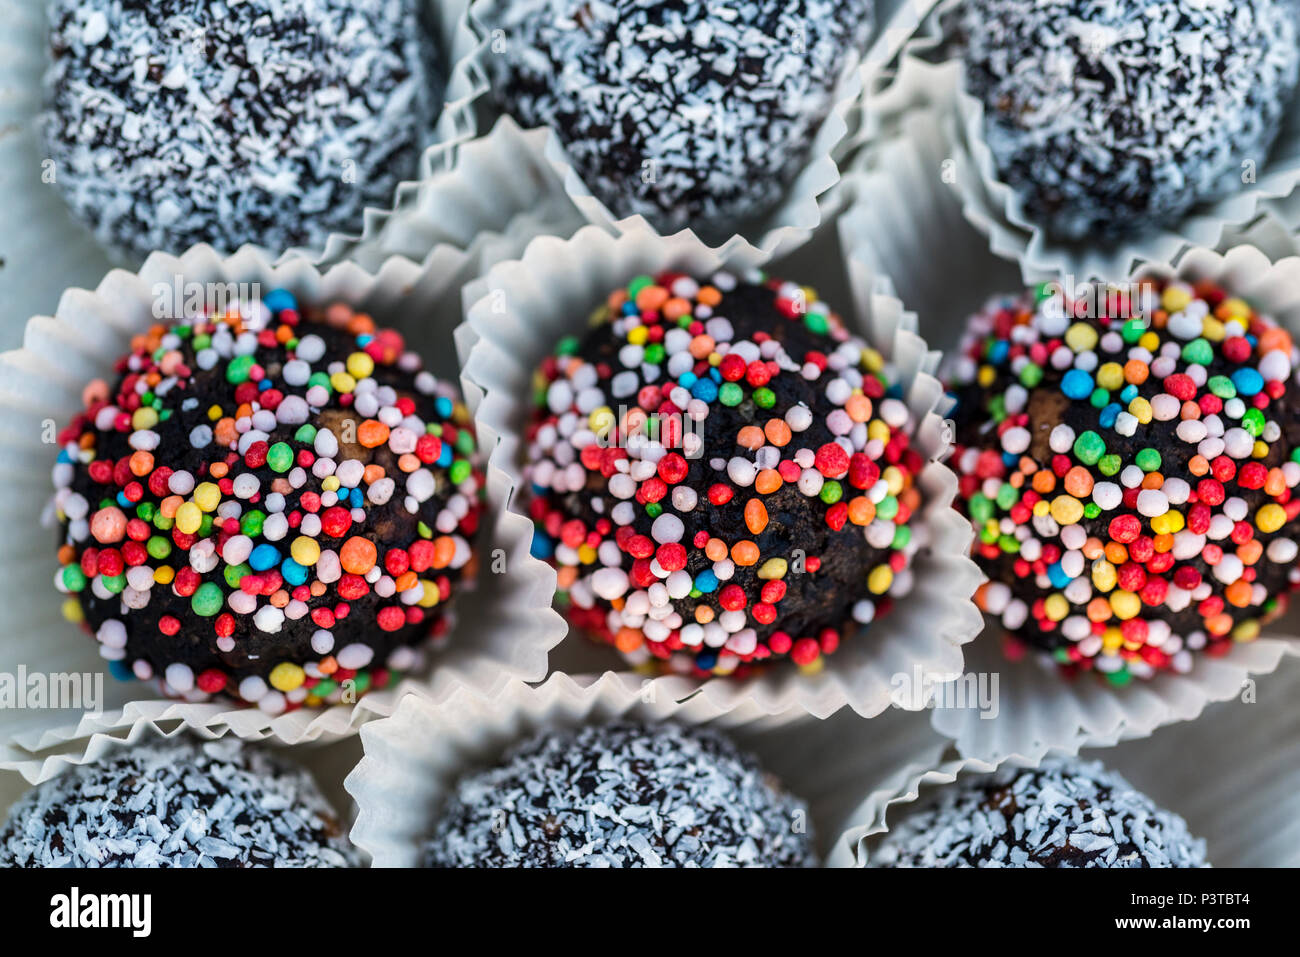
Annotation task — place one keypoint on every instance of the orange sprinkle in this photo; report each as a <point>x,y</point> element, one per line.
<point>1116,553</point>
<point>372,433</point>
<point>703,614</point>
<point>708,295</point>
<point>651,299</point>
<point>328,665</point>
<point>777,432</point>
<point>1098,609</point>
<point>715,549</point>
<point>1250,552</point>
<point>755,516</point>
<point>1136,371</point>
<point>1044,481</point>
<point>676,307</point>
<point>1198,465</point>
<point>1092,549</point>
<point>218,470</point>
<point>1238,593</point>
<point>861,510</point>
<point>1219,624</point>
<point>858,407</point>
<point>1163,543</point>
<point>141,463</point>
<point>444,549</point>
<point>750,437</point>
<point>744,553</point>
<point>701,346</point>
<point>408,462</point>
<point>406,581</point>
<point>372,473</point>
<point>628,640</point>
<point>224,431</point>
<point>1153,480</point>
<point>767,481</point>
<point>565,576</point>
<point>279,598</point>
<point>1078,481</point>
<point>358,555</point>
<point>1275,482</point>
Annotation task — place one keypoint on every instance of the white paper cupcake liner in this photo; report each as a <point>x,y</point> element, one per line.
<point>503,628</point>
<point>992,207</point>
<point>809,200</point>
<point>906,225</point>
<point>519,310</point>
<point>414,758</point>
<point>45,250</point>
<point>1240,791</point>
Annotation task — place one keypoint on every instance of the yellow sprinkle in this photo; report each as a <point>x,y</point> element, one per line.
<point>189,518</point>
<point>1247,630</point>
<point>872,360</point>
<point>1234,308</point>
<point>342,382</point>
<point>1111,639</point>
<point>876,429</point>
<point>330,483</point>
<point>1067,510</point>
<point>1041,508</point>
<point>638,335</point>
<point>430,596</point>
<point>1270,517</point>
<point>1081,337</point>
<point>305,550</point>
<point>207,496</point>
<point>1140,409</point>
<point>881,577</point>
<point>1111,376</point>
<point>286,676</point>
<point>814,667</point>
<point>715,358</point>
<point>1212,329</point>
<point>1260,450</point>
<point>164,574</point>
<point>1176,297</point>
<point>1149,341</point>
<point>586,554</point>
<point>893,477</point>
<point>1103,575</point>
<point>1170,523</point>
<point>1056,607</point>
<point>986,375</point>
<point>214,412</point>
<point>144,418</point>
<point>72,610</point>
<point>360,365</point>
<point>602,421</point>
<point>1125,605</point>
<point>773,568</point>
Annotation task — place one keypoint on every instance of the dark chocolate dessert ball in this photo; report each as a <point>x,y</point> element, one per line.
<point>1129,457</point>
<point>723,475</point>
<point>687,113</point>
<point>177,804</point>
<point>266,503</point>
<point>623,795</point>
<point>172,122</point>
<point>1063,814</point>
<point>1108,117</point>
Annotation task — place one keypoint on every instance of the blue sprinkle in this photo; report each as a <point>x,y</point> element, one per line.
<point>293,573</point>
<point>1247,381</point>
<point>1128,394</point>
<point>1009,459</point>
<point>444,456</point>
<point>1057,575</point>
<point>998,351</point>
<point>687,380</point>
<point>355,498</point>
<point>543,546</point>
<point>706,581</point>
<point>1109,414</point>
<point>264,557</point>
<point>264,384</point>
<point>630,309</point>
<point>1077,384</point>
<point>706,390</point>
<point>122,500</point>
<point>364,339</point>
<point>121,670</point>
<point>705,660</point>
<point>278,300</point>
<point>443,406</point>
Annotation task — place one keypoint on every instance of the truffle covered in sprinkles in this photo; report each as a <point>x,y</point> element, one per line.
<point>1129,458</point>
<point>622,795</point>
<point>689,113</point>
<point>723,475</point>
<point>177,804</point>
<point>175,122</point>
<point>1109,117</point>
<point>268,503</point>
<point>1062,814</point>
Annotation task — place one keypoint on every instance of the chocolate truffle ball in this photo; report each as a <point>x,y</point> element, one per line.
<point>171,122</point>
<point>623,795</point>
<point>684,113</point>
<point>266,503</point>
<point>1129,458</point>
<point>1063,814</point>
<point>177,804</point>
<point>1108,117</point>
<point>722,474</point>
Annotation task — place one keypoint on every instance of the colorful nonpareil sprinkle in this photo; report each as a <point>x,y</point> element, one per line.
<point>722,474</point>
<point>1129,460</point>
<point>266,504</point>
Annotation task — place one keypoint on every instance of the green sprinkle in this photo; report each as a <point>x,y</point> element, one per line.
<point>113,583</point>
<point>74,579</point>
<point>1253,422</point>
<point>1110,464</point>
<point>1091,510</point>
<point>902,535</point>
<point>1100,398</point>
<point>234,574</point>
<point>423,530</point>
<point>981,507</point>
<point>567,346</point>
<point>1120,678</point>
<point>764,397</point>
<point>1133,330</point>
<point>637,284</point>
<point>239,369</point>
<point>1031,375</point>
<point>730,394</point>
<point>887,508</point>
<point>459,471</point>
<point>654,353</point>
<point>1222,386</point>
<point>1148,460</point>
<point>1198,352</point>
<point>158,547</point>
<point>1007,496</point>
<point>1089,447</point>
<point>832,492</point>
<point>306,434</point>
<point>206,601</point>
<point>280,457</point>
<point>654,509</point>
<point>251,522</point>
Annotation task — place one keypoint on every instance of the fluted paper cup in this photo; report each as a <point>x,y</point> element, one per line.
<point>906,226</point>
<point>992,207</point>
<point>519,310</point>
<point>504,629</point>
<point>414,758</point>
